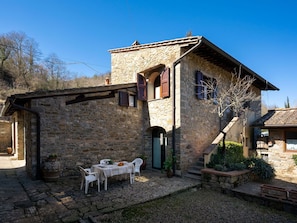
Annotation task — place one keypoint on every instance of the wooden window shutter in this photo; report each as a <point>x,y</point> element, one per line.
<point>141,88</point>
<point>165,83</point>
<point>199,85</point>
<point>123,98</point>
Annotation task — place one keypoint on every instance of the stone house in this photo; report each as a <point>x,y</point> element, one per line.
<point>151,105</point>
<point>5,132</point>
<point>278,143</point>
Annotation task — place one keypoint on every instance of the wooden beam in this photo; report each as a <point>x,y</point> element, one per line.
<point>82,98</point>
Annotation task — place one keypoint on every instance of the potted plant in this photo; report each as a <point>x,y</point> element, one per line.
<point>168,165</point>
<point>52,157</point>
<point>51,168</point>
<point>144,158</point>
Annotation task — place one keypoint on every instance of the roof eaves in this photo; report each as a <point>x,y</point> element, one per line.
<point>192,40</point>
<point>233,60</point>
<point>179,41</point>
<point>21,99</point>
<point>71,91</point>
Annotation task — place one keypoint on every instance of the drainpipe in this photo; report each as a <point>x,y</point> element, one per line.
<point>175,63</point>
<point>38,170</point>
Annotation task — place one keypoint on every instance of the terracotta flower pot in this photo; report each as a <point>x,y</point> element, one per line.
<point>9,150</point>
<point>169,173</point>
<point>143,165</point>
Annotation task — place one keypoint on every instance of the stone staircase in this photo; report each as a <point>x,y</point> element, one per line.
<point>194,172</point>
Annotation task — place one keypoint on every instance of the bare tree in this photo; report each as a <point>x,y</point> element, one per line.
<point>235,96</point>
<point>57,71</point>
<point>21,68</point>
<point>6,47</point>
<point>23,56</point>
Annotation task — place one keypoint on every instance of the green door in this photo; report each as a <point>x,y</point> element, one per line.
<point>158,150</point>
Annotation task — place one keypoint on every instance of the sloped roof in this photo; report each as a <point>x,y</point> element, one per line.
<point>209,52</point>
<point>78,94</point>
<point>281,117</point>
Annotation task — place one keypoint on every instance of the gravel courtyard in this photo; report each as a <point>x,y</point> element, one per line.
<point>198,205</point>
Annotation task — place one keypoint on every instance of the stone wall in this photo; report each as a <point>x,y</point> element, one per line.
<point>5,135</point>
<point>196,125</point>
<point>224,181</point>
<point>156,112</point>
<point>200,123</point>
<point>125,65</point>
<point>279,158</point>
<point>83,133</point>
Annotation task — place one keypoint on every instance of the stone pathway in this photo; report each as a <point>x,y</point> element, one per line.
<point>25,200</point>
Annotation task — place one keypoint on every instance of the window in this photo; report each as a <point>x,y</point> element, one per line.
<point>206,87</point>
<point>125,99</point>
<point>156,86</point>
<point>291,141</point>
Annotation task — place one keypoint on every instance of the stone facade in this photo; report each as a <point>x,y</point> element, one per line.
<point>196,124</point>
<point>81,133</point>
<point>5,135</point>
<point>85,131</point>
<point>278,157</point>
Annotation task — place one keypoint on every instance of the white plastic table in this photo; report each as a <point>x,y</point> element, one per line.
<point>106,170</point>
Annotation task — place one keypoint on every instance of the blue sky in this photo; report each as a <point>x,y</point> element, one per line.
<point>261,34</point>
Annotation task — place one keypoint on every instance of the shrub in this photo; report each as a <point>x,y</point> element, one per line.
<point>219,167</point>
<point>234,152</point>
<point>260,168</point>
<point>237,166</point>
<point>233,159</point>
<point>294,157</point>
<point>215,159</point>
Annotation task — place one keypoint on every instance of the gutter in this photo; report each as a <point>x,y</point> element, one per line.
<point>175,63</point>
<point>38,169</point>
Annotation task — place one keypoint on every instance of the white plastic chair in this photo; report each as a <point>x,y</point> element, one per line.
<point>88,177</point>
<point>132,175</point>
<point>104,161</point>
<point>137,163</point>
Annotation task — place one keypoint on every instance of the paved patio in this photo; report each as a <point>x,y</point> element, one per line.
<point>25,200</point>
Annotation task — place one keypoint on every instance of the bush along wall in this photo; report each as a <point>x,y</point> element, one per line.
<point>233,159</point>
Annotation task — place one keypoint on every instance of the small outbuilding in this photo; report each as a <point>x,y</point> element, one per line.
<point>278,141</point>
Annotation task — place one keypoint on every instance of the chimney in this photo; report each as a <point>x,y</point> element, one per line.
<point>107,81</point>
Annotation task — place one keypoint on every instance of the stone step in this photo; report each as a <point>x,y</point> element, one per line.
<point>201,159</point>
<point>193,176</point>
<point>196,168</point>
<point>200,163</point>
<point>195,171</point>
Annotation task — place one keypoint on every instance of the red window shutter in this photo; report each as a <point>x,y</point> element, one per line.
<point>165,83</point>
<point>141,88</point>
<point>123,98</point>
<point>199,85</point>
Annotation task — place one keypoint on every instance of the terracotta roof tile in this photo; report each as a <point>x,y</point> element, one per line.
<point>281,117</point>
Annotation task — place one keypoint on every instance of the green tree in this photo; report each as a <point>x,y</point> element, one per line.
<point>287,103</point>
